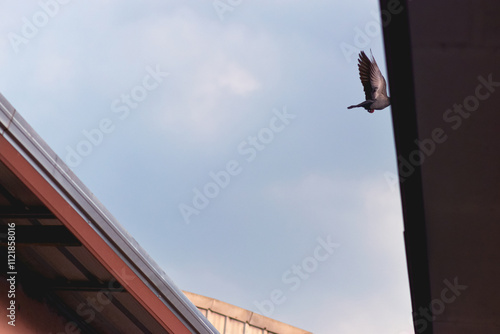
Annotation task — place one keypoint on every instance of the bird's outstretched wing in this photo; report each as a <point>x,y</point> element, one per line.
<point>371,78</point>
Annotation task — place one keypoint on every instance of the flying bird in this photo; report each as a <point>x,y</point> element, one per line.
<point>373,85</point>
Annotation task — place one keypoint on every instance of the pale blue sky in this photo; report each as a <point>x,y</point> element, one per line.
<point>269,83</point>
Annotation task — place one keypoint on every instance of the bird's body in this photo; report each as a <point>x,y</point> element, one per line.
<point>373,84</point>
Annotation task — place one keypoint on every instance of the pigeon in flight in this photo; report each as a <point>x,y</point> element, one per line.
<point>373,85</point>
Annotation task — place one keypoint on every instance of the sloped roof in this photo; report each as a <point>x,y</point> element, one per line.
<point>70,248</point>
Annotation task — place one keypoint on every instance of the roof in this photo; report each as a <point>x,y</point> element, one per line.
<point>69,247</point>
<point>444,75</point>
<point>231,319</point>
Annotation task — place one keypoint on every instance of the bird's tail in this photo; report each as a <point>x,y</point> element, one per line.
<point>361,105</point>
<point>365,104</point>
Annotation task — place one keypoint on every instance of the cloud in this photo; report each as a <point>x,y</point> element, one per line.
<point>375,315</point>
<point>213,67</point>
<point>324,196</point>
<point>238,80</point>
<point>216,69</point>
<point>54,71</point>
<point>317,197</point>
<point>364,216</point>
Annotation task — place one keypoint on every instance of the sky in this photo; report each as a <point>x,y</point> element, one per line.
<point>217,133</point>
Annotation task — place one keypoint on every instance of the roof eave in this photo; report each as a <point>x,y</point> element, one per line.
<point>30,158</point>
